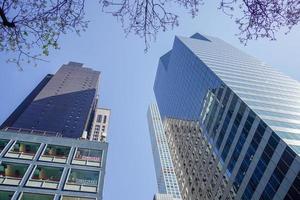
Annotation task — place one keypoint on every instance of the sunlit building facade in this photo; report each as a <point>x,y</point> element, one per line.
<point>100,124</point>
<point>248,118</point>
<point>165,172</point>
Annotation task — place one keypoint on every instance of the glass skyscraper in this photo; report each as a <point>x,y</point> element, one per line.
<point>248,116</point>
<point>165,174</point>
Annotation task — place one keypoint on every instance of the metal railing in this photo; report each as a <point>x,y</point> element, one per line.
<point>32,131</point>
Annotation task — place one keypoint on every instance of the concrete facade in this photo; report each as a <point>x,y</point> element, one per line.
<point>100,125</point>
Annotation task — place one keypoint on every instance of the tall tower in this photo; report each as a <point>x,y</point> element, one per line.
<point>246,118</point>
<point>47,145</point>
<point>165,174</point>
<point>64,104</point>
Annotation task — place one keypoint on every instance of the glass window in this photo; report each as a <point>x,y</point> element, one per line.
<point>87,157</point>
<point>82,180</point>
<point>55,153</point>
<point>12,173</point>
<point>45,177</point>
<point>24,150</point>
<point>6,195</point>
<point>32,196</point>
<point>3,143</point>
<point>76,198</point>
<point>104,119</point>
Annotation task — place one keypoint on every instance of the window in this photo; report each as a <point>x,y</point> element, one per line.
<point>99,118</point>
<point>87,157</point>
<point>12,173</point>
<point>6,195</point>
<point>76,198</point>
<point>104,119</point>
<point>82,180</point>
<point>32,196</point>
<point>3,143</point>
<point>55,153</point>
<point>24,150</point>
<point>97,127</point>
<point>45,177</point>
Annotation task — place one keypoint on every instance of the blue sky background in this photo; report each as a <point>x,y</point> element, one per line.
<point>126,83</point>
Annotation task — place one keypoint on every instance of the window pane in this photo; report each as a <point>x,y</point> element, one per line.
<point>76,198</point>
<point>24,150</point>
<point>45,177</point>
<point>6,195</point>
<point>88,157</point>
<point>12,173</point>
<point>82,180</point>
<point>3,143</point>
<point>32,196</point>
<point>55,153</point>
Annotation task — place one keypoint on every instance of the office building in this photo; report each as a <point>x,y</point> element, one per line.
<point>165,174</point>
<point>62,103</point>
<point>37,166</point>
<point>247,116</point>
<point>45,144</point>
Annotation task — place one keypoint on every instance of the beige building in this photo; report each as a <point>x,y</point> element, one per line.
<point>100,125</point>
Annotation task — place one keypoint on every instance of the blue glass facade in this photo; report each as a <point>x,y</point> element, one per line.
<point>248,112</point>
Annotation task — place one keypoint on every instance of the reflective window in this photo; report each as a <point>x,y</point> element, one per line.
<point>278,174</point>
<point>55,153</point>
<point>24,150</point>
<point>82,180</point>
<point>33,196</point>
<point>6,195</point>
<point>294,191</point>
<point>261,167</point>
<point>88,157</point>
<point>12,173</point>
<point>45,177</point>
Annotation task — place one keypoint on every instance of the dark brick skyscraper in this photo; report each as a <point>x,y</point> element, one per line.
<point>62,103</point>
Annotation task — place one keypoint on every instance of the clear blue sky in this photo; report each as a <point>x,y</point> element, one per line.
<point>126,84</point>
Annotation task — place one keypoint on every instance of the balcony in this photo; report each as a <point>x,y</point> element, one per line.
<point>24,150</point>
<point>87,157</point>
<point>34,196</point>
<point>82,180</point>
<point>6,195</point>
<point>12,173</point>
<point>55,153</point>
<point>45,177</point>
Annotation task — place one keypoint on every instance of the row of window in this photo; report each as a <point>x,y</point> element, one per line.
<point>7,195</point>
<point>52,153</point>
<point>48,177</point>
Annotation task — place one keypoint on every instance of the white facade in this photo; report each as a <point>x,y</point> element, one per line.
<point>165,173</point>
<point>100,125</point>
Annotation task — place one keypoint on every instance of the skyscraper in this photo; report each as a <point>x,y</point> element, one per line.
<point>165,174</point>
<point>46,151</point>
<point>246,114</point>
<point>64,103</point>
